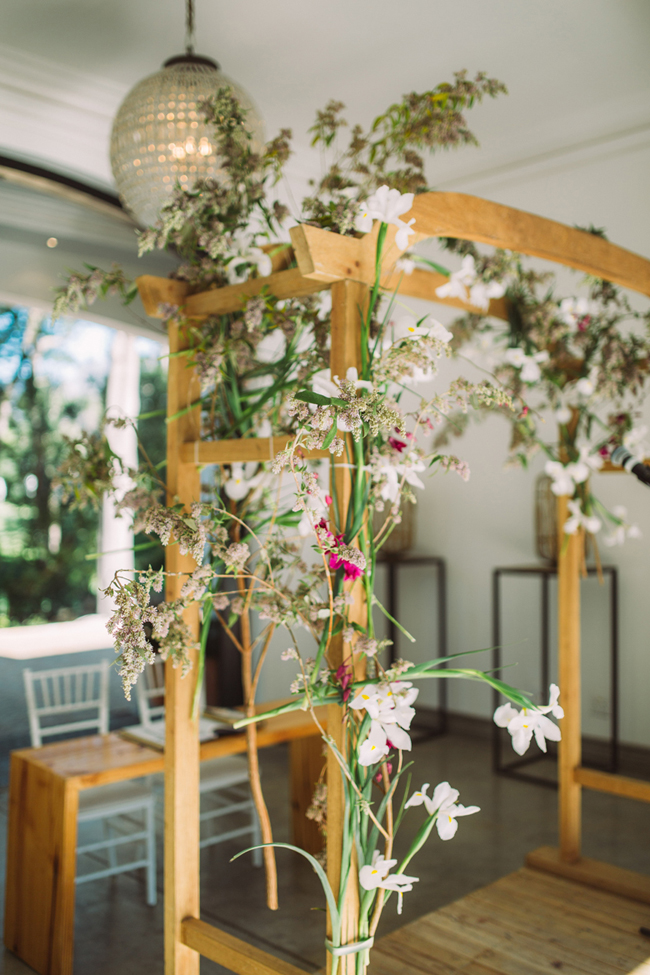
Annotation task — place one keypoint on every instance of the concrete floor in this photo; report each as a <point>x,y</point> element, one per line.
<point>117,933</point>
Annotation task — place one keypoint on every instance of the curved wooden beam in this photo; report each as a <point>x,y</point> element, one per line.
<point>471,218</point>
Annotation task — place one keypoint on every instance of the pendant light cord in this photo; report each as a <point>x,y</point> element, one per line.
<point>189,26</point>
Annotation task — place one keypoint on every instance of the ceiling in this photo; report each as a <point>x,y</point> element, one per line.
<point>578,72</point>
<point>571,140</point>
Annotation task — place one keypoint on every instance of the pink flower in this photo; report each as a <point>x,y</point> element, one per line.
<point>380,777</point>
<point>396,444</point>
<point>344,677</point>
<point>350,571</point>
<point>328,499</point>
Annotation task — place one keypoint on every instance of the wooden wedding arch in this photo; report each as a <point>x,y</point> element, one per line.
<point>346,265</point>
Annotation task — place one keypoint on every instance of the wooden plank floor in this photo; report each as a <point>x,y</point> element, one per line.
<point>527,923</point>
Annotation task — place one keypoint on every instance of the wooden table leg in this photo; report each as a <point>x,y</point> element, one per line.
<point>40,887</point>
<point>307,762</point>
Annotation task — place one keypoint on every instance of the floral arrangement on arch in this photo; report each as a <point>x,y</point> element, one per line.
<point>581,362</point>
<point>275,544</point>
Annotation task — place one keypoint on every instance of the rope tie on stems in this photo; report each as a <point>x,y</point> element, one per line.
<point>351,949</point>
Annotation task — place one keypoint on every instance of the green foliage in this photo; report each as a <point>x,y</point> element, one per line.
<point>44,573</point>
<point>82,290</point>
<point>390,152</point>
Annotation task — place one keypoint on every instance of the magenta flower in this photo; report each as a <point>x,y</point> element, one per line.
<point>379,777</point>
<point>344,677</point>
<point>350,570</point>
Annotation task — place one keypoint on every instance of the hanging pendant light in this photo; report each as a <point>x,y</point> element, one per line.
<point>159,137</point>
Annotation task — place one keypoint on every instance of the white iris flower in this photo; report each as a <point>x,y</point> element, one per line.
<point>388,206</point>
<point>377,874</point>
<point>522,725</point>
<point>389,706</point>
<point>442,804</point>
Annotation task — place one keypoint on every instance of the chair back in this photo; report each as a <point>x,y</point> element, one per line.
<point>66,691</point>
<point>150,693</point>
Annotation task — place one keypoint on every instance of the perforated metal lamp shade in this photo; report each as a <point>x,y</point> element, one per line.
<point>159,136</point>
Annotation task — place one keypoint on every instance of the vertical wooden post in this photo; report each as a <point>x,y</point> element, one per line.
<point>348,297</point>
<point>570,548</point>
<point>182,734</point>
<point>306,762</point>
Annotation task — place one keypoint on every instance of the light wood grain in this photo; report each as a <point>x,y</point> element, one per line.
<point>281,254</point>
<point>306,765</point>
<point>617,785</point>
<point>570,548</point>
<point>528,923</point>
<point>470,218</point>
<point>41,861</point>
<point>155,292</point>
<point>102,759</point>
<point>182,735</point>
<point>244,449</point>
<point>593,873</point>
<point>349,301</point>
<point>232,953</point>
<point>609,468</point>
<point>327,257</point>
<point>220,301</point>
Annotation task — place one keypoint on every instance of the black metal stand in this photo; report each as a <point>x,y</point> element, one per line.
<point>545,572</point>
<point>393,561</point>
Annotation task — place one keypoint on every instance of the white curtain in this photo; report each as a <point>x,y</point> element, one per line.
<point>123,400</point>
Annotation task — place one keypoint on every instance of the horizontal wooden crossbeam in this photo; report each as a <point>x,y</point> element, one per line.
<point>324,257</point>
<point>220,301</point>
<point>239,451</point>
<point>617,785</point>
<point>232,953</point>
<point>470,218</point>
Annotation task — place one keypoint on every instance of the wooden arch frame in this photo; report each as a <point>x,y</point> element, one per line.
<point>346,266</point>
